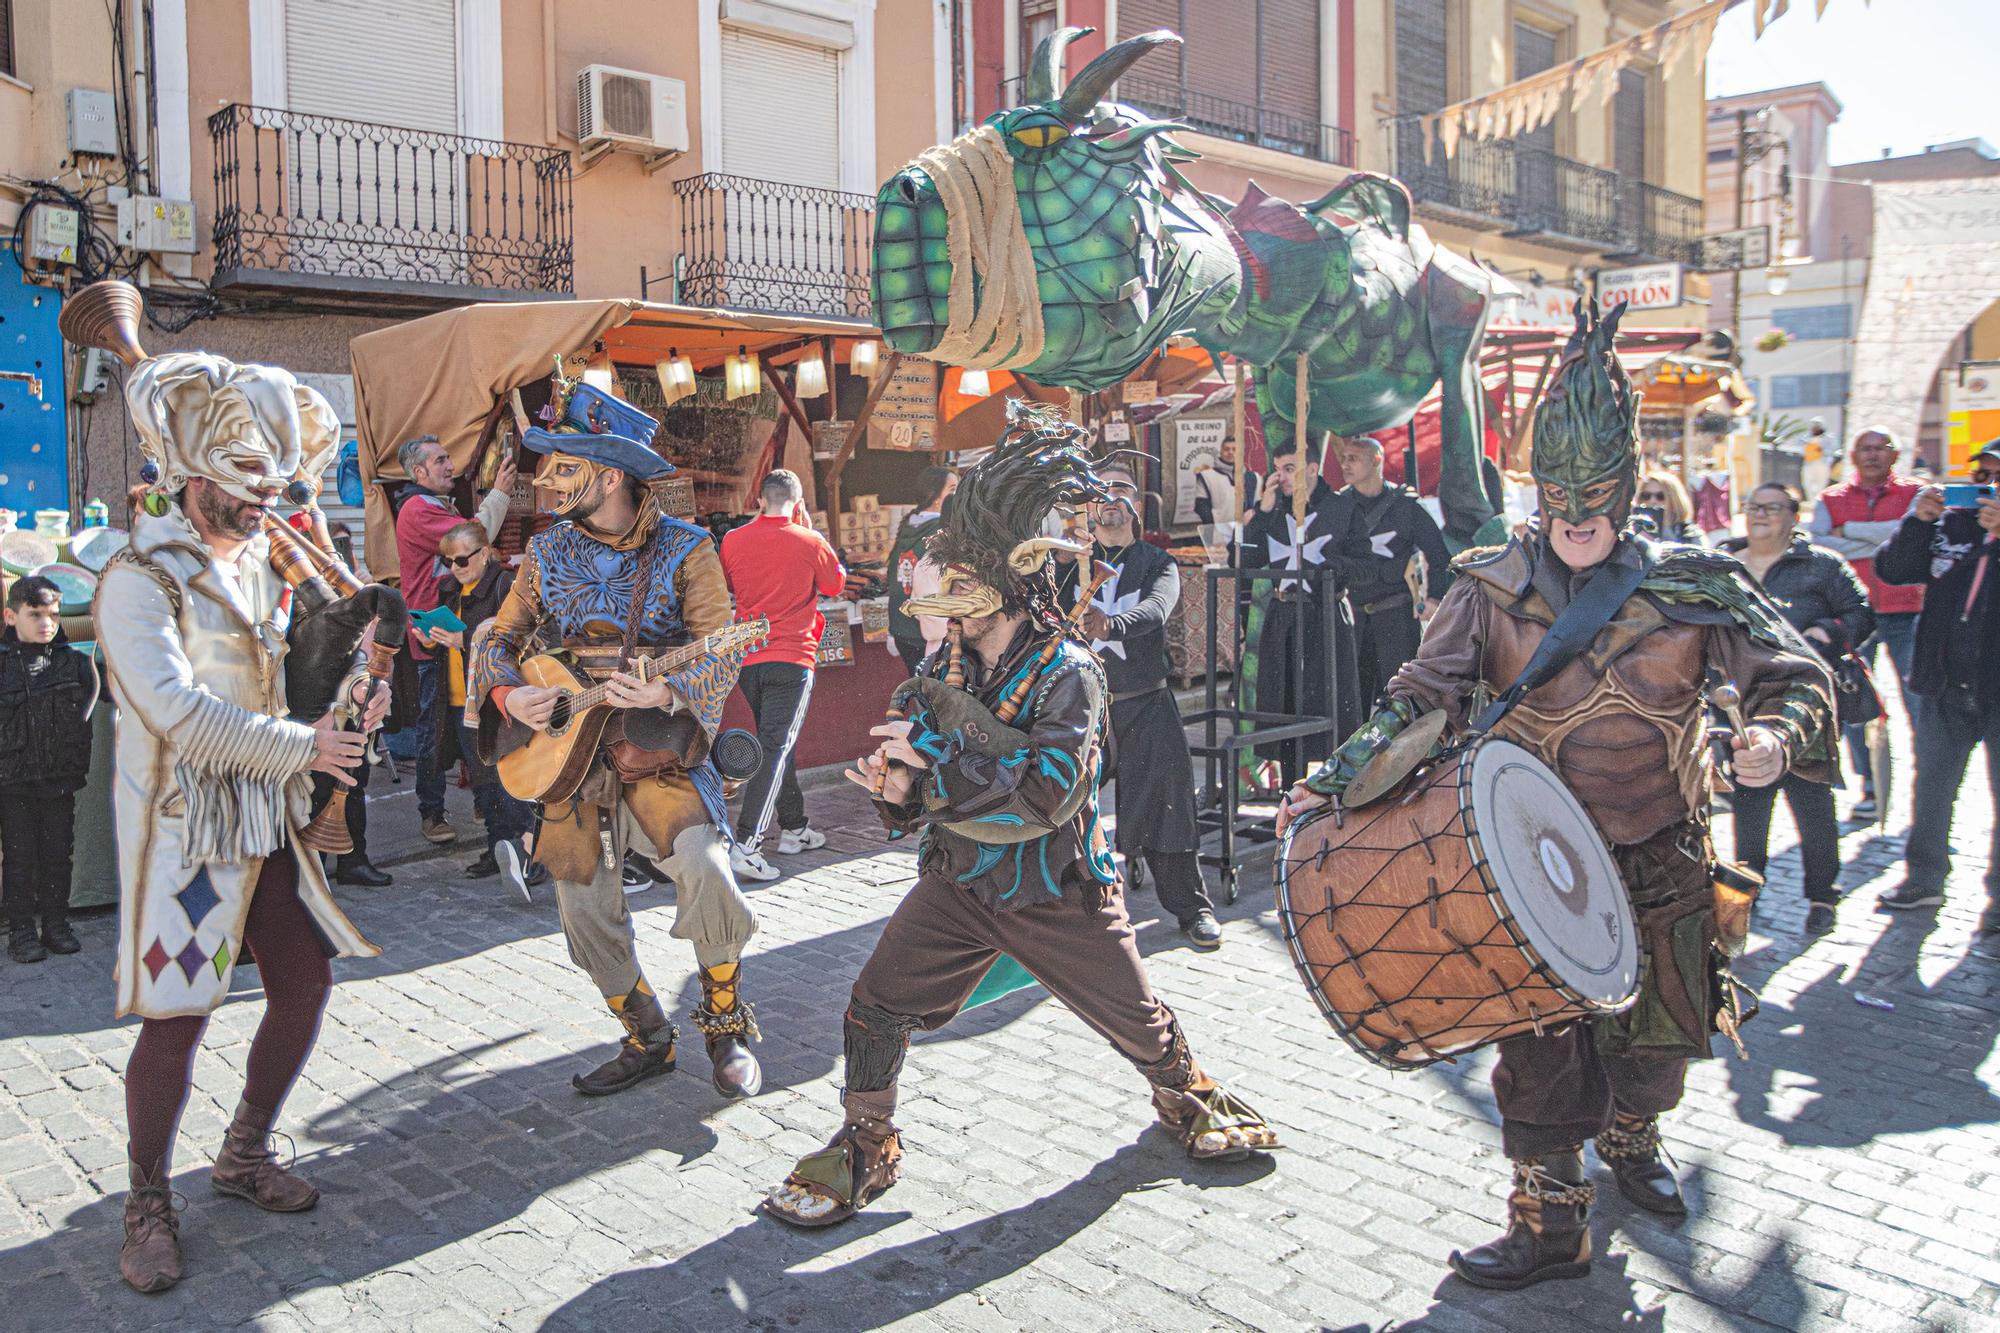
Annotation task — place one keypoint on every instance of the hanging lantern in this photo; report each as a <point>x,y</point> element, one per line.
<point>676,376</point>
<point>811,377</point>
<point>599,373</point>
<point>974,384</point>
<point>739,375</point>
<point>866,358</point>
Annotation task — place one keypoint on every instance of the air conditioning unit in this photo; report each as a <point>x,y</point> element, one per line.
<point>622,108</point>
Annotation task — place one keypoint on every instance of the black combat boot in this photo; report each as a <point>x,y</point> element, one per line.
<point>647,1051</point>
<point>1631,1148</point>
<point>1548,1227</point>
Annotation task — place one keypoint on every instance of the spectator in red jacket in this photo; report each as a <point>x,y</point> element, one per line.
<point>1857,518</point>
<point>779,568</point>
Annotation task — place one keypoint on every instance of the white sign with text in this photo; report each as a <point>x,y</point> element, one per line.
<point>1643,287</point>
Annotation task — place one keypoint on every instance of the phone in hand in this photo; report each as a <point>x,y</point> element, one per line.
<point>1966,495</point>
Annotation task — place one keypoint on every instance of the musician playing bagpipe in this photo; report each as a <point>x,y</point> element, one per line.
<point>614,582</point>
<point>1588,644</point>
<point>214,773</point>
<point>995,763</point>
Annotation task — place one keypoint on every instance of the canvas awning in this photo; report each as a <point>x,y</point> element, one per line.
<point>442,375</point>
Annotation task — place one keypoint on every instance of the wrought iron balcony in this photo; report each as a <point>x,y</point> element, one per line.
<point>782,249</point>
<point>313,202</point>
<point>1244,122</point>
<point>1555,195</point>
<point>1669,224</point>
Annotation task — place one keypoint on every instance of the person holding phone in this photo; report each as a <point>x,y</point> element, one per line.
<point>1947,546</point>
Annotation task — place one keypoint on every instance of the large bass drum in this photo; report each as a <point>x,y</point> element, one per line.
<point>1477,905</point>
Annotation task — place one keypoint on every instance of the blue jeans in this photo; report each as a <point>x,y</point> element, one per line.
<point>431,708</point>
<point>1897,631</point>
<point>1949,727</point>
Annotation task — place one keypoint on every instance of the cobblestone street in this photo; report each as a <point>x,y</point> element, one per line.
<point>1847,1176</point>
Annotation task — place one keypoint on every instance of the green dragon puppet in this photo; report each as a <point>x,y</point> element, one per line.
<point>1060,240</point>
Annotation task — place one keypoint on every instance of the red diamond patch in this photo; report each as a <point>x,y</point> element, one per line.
<point>156,958</point>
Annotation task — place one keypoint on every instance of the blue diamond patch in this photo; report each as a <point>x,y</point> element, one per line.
<point>198,899</point>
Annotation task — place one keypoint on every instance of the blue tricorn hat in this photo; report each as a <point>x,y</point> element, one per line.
<point>605,430</point>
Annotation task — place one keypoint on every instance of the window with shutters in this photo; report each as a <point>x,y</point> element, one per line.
<point>1808,390</point>
<point>780,109</point>
<point>1038,21</point>
<point>6,36</point>
<point>1423,76</point>
<point>1628,147</point>
<point>1248,71</point>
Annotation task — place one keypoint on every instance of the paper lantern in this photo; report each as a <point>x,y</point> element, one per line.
<point>676,376</point>
<point>739,375</point>
<point>811,378</point>
<point>974,384</point>
<point>866,358</point>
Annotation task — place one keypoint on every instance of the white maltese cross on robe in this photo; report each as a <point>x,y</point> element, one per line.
<point>1110,606</point>
<point>1302,550</point>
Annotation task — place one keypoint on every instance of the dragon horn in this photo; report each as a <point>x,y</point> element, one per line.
<point>1045,70</point>
<point>1087,89</point>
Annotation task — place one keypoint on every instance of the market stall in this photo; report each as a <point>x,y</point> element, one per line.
<point>737,394</point>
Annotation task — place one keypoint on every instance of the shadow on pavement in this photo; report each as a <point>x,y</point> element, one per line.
<point>779,1277</point>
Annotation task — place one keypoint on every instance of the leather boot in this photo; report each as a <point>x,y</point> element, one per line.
<point>151,1258</point>
<point>247,1167</point>
<point>1548,1227</point>
<point>728,1026</point>
<point>1631,1148</point>
<point>646,1052</point>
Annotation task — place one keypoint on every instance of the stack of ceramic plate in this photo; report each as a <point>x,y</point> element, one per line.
<point>92,547</point>
<point>24,552</point>
<point>78,586</point>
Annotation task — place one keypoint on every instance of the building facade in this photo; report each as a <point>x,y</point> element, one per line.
<point>352,163</point>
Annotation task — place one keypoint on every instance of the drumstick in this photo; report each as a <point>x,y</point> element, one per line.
<point>1730,700</point>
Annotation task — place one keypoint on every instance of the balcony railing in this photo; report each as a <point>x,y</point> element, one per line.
<point>783,249</point>
<point>1244,122</point>
<point>1534,190</point>
<point>1669,224</point>
<point>317,202</point>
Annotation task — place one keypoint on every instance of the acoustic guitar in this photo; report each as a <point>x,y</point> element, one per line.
<point>553,763</point>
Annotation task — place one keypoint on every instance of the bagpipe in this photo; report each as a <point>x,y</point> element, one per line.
<point>331,607</point>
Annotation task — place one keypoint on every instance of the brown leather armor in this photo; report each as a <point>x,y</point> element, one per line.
<point>1624,729</point>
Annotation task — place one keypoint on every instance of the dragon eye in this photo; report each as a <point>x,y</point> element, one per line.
<point>1041,135</point>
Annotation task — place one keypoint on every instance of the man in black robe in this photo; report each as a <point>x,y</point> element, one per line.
<point>1126,625</point>
<point>1378,529</point>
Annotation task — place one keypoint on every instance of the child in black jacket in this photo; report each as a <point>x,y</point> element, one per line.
<point>47,690</point>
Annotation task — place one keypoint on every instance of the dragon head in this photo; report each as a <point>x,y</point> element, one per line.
<point>1094,190</point>
<point>1586,451</point>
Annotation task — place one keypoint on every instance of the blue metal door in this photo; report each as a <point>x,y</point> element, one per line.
<point>34,432</point>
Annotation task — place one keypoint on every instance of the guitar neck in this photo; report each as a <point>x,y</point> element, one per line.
<point>645,668</point>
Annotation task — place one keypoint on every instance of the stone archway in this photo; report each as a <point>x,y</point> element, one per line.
<point>1935,269</point>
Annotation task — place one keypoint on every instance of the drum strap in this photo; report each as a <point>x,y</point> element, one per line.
<point>1573,631</point>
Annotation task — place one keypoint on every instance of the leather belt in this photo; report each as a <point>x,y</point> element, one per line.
<point>1137,694</point>
<point>1386,603</point>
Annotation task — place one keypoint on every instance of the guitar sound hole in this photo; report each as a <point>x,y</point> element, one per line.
<point>559,720</point>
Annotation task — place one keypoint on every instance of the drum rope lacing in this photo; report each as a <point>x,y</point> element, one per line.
<point>1294,926</point>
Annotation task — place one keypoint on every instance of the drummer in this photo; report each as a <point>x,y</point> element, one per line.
<point>1622,725</point>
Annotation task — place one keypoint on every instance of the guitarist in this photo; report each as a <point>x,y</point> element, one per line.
<point>613,580</point>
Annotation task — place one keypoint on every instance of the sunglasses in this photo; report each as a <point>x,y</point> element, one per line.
<point>1652,497</point>
<point>461,561</point>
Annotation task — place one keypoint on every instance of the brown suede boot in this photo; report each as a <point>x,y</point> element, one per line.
<point>864,1160</point>
<point>151,1258</point>
<point>728,1025</point>
<point>247,1167</point>
<point>646,1052</point>
<point>1548,1227</point>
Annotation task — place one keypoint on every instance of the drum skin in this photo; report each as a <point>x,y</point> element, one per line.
<point>1404,938</point>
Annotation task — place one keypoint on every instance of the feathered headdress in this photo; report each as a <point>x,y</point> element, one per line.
<point>1586,455</point>
<point>989,541</point>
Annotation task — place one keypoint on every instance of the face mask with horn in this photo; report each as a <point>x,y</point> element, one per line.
<point>989,541</point>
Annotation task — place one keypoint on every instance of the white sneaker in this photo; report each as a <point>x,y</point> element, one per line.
<point>749,863</point>
<point>793,841</point>
<point>512,874</point>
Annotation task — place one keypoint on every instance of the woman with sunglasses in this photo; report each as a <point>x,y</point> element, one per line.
<point>1825,601</point>
<point>1663,499</point>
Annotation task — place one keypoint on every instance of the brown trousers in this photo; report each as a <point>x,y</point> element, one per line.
<point>1555,1091</point>
<point>939,943</point>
